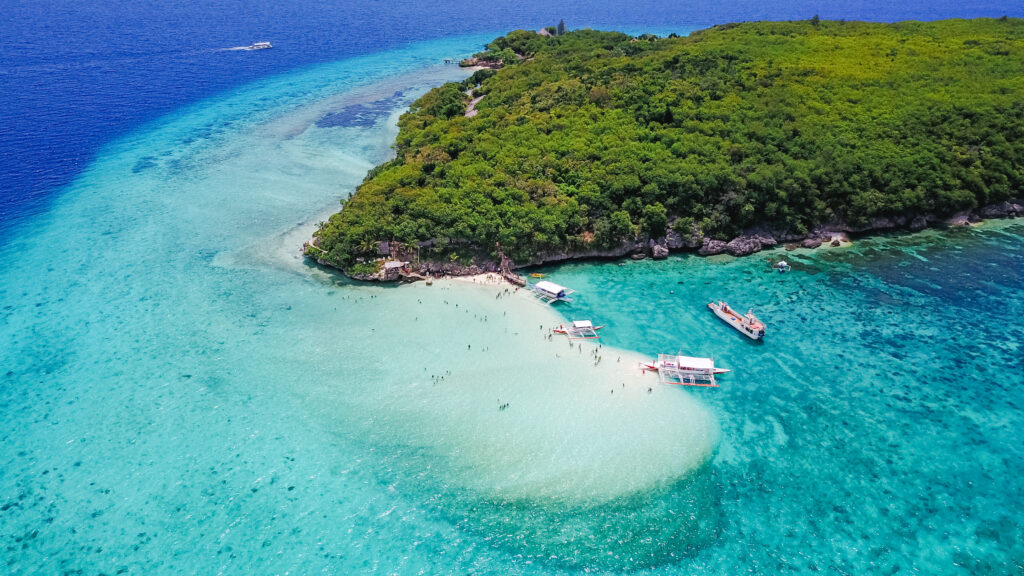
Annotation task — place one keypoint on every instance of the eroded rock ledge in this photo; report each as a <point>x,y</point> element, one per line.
<point>752,242</point>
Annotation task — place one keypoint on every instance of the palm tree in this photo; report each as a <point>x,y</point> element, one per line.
<point>412,249</point>
<point>368,245</point>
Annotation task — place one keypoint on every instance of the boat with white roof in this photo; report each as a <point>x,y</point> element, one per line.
<point>685,370</point>
<point>549,292</point>
<point>578,330</point>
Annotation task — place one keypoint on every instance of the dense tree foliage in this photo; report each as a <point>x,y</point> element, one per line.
<point>596,137</point>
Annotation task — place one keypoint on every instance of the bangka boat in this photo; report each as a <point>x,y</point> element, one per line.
<point>782,266</point>
<point>578,330</point>
<point>685,370</point>
<point>550,292</point>
<point>748,324</point>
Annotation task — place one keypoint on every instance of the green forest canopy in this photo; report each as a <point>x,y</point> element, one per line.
<point>592,138</point>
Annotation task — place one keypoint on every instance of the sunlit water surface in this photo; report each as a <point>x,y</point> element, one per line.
<point>183,394</point>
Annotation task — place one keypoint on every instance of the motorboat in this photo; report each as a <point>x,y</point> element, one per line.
<point>747,323</point>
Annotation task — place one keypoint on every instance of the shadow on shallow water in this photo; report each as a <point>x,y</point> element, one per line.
<point>365,115</point>
<point>645,530</point>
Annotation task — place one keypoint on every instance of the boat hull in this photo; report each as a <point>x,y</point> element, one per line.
<point>562,330</point>
<point>654,367</point>
<point>736,322</point>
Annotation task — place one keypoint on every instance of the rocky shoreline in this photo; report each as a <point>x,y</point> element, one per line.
<point>753,241</point>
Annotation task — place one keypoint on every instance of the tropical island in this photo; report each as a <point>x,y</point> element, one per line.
<point>733,139</point>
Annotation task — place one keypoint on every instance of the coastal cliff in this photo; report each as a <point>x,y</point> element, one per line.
<point>660,248</point>
<point>735,139</point>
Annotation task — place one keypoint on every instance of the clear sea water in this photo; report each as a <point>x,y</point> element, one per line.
<point>182,393</point>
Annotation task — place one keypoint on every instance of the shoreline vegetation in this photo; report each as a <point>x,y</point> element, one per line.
<point>742,137</point>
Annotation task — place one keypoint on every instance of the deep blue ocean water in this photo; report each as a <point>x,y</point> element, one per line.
<point>75,75</point>
<point>181,393</point>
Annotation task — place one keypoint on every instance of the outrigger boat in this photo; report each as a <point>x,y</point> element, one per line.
<point>685,370</point>
<point>549,292</point>
<point>748,324</point>
<point>578,330</point>
<point>782,266</point>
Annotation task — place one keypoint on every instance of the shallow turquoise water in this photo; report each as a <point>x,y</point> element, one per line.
<point>876,428</point>
<point>182,393</point>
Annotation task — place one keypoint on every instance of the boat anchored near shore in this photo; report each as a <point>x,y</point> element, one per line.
<point>747,324</point>
<point>549,292</point>
<point>685,370</point>
<point>579,330</point>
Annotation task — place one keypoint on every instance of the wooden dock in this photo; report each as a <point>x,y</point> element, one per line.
<point>506,270</point>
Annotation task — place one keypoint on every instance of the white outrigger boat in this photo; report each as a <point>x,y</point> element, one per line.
<point>748,324</point>
<point>578,330</point>
<point>685,370</point>
<point>782,266</point>
<point>549,292</point>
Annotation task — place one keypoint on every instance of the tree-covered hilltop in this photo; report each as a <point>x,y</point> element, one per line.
<point>589,139</point>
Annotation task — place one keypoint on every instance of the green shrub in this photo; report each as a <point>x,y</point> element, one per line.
<point>784,124</point>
